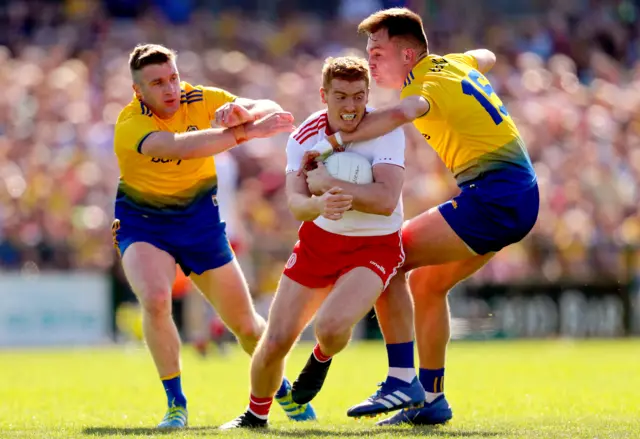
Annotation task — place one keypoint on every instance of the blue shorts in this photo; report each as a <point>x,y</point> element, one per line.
<point>196,239</point>
<point>494,210</point>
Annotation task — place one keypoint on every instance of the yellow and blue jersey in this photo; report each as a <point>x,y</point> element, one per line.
<point>467,125</point>
<point>162,185</point>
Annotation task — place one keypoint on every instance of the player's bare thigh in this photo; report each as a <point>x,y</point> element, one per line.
<point>429,240</point>
<point>352,297</point>
<point>293,307</point>
<point>434,281</point>
<point>150,271</point>
<point>226,289</point>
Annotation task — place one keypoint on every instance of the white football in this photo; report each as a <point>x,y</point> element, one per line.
<point>349,166</point>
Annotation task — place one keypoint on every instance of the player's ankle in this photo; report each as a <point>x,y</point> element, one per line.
<point>260,406</point>
<point>433,382</point>
<point>401,361</point>
<point>322,353</point>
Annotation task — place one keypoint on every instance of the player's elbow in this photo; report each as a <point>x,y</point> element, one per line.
<point>411,108</point>
<point>489,61</point>
<point>386,208</point>
<point>300,212</point>
<point>384,205</point>
<point>301,216</point>
<point>485,59</point>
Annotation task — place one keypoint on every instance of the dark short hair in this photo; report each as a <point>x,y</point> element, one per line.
<point>399,22</point>
<point>148,54</point>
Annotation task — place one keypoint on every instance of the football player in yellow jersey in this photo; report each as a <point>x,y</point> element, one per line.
<point>452,104</point>
<point>166,211</point>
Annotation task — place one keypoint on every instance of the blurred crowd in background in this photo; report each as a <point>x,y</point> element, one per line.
<point>568,72</point>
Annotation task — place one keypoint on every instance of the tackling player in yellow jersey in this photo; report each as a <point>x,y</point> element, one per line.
<point>452,104</point>
<point>166,210</point>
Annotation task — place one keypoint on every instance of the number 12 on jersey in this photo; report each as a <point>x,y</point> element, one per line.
<point>474,87</point>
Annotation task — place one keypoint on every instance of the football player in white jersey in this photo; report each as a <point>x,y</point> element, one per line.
<point>349,243</point>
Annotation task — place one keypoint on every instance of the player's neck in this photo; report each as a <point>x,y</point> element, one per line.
<point>330,128</point>
<point>159,115</point>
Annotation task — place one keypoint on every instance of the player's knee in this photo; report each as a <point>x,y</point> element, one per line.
<point>156,302</point>
<point>276,345</point>
<point>430,285</point>
<point>332,331</point>
<point>249,329</point>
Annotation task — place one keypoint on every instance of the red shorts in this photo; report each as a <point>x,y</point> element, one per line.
<point>319,258</point>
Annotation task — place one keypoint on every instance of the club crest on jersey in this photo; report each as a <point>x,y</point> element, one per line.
<point>192,128</point>
<point>292,260</point>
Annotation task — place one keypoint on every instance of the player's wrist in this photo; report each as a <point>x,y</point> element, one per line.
<point>336,141</point>
<point>240,133</point>
<point>315,205</point>
<point>323,147</point>
<point>327,183</point>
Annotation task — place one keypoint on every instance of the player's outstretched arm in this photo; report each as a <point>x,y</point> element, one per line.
<point>243,110</point>
<point>259,108</point>
<point>377,123</point>
<point>485,58</point>
<point>205,143</point>
<point>378,198</point>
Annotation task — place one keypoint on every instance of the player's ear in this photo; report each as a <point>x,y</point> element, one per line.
<point>323,95</point>
<point>407,55</point>
<point>136,90</point>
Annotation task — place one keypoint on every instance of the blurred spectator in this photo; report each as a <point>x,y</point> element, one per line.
<point>569,72</point>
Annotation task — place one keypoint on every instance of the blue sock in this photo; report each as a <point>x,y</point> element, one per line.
<point>432,380</point>
<point>284,388</point>
<point>173,387</point>
<point>401,363</point>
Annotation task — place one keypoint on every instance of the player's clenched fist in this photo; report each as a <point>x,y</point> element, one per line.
<point>319,179</point>
<point>271,124</point>
<point>308,162</point>
<point>333,203</point>
<point>231,115</point>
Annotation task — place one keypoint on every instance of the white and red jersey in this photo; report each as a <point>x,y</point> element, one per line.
<point>387,149</point>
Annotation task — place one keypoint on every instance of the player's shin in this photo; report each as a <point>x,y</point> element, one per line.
<point>432,335</point>
<point>267,372</point>
<point>394,310</point>
<point>267,368</point>
<point>161,336</point>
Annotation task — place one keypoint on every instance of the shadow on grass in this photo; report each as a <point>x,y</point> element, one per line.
<point>146,431</point>
<point>310,432</point>
<point>380,431</point>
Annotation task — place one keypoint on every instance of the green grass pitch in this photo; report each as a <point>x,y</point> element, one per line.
<point>498,389</point>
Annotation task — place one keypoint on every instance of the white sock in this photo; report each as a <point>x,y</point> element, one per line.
<point>430,396</point>
<point>406,374</point>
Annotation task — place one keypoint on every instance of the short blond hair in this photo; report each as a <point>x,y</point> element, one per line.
<point>148,54</point>
<point>400,23</point>
<point>348,68</point>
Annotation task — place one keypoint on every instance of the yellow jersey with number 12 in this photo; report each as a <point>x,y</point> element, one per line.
<point>467,124</point>
<point>162,185</point>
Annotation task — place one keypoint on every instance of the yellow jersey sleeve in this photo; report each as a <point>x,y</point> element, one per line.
<point>215,98</point>
<point>431,91</point>
<point>131,132</point>
<point>464,59</point>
